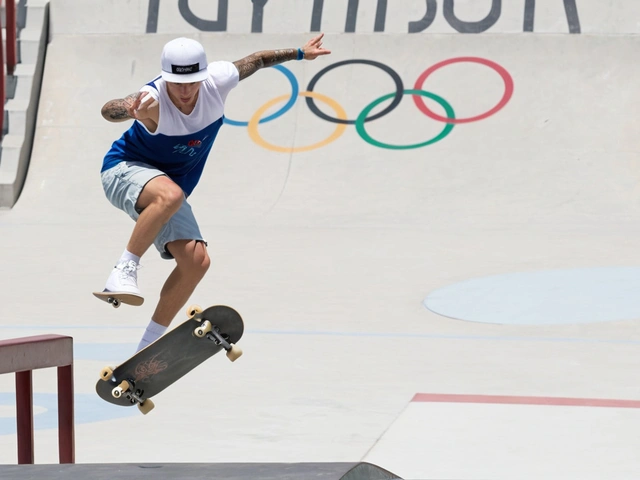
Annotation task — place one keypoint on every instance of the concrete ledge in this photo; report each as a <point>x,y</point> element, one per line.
<point>29,45</point>
<point>23,108</point>
<point>24,83</point>
<point>201,471</point>
<point>31,353</point>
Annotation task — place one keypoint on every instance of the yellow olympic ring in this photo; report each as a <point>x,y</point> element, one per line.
<point>255,135</point>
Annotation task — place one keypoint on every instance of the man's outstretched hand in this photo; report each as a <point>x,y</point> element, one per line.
<point>313,48</point>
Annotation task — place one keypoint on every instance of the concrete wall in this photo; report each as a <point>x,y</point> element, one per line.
<point>73,17</point>
<point>303,16</point>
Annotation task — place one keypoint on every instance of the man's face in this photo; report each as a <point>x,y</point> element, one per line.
<point>183,93</point>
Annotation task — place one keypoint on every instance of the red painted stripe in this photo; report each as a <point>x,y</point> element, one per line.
<point>515,400</point>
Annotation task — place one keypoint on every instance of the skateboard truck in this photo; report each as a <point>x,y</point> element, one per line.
<point>206,329</point>
<point>115,303</point>
<point>212,333</point>
<point>145,406</point>
<point>115,299</point>
<point>126,388</point>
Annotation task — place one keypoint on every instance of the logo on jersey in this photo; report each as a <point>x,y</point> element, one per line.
<point>189,148</point>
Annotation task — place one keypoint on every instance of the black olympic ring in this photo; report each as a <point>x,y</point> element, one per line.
<point>392,73</point>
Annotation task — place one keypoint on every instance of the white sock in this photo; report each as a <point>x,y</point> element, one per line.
<point>153,332</point>
<point>127,255</point>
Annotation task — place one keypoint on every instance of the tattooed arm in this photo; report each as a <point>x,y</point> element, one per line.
<point>118,110</point>
<point>268,58</point>
<point>133,106</point>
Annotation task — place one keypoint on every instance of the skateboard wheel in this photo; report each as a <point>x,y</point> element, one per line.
<point>234,353</point>
<point>106,373</point>
<point>193,310</point>
<point>120,389</point>
<point>146,406</point>
<point>115,303</point>
<point>203,329</point>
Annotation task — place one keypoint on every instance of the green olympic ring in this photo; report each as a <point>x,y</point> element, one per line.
<point>372,141</point>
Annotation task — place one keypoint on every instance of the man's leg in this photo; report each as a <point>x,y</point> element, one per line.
<point>158,201</point>
<point>192,262</point>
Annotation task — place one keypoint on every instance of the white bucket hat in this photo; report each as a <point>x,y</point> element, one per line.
<point>184,61</point>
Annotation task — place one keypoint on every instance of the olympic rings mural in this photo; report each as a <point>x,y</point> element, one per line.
<point>341,119</point>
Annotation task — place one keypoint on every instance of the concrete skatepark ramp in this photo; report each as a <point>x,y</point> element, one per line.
<point>446,205</point>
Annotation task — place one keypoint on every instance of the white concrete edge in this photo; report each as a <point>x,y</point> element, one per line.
<point>17,144</point>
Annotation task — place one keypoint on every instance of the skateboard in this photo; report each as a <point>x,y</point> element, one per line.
<point>115,299</point>
<point>172,356</point>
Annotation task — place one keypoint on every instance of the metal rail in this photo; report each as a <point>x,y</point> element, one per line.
<point>23,355</point>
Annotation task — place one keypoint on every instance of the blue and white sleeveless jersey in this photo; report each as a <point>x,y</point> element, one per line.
<point>181,144</point>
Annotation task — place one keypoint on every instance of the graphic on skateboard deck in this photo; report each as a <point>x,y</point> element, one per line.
<point>172,356</point>
<point>115,299</point>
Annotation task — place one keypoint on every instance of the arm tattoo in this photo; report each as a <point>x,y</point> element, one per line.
<point>116,110</point>
<point>266,58</point>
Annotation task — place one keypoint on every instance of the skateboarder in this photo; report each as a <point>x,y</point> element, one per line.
<point>152,169</point>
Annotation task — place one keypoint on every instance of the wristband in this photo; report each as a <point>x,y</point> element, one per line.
<point>300,54</point>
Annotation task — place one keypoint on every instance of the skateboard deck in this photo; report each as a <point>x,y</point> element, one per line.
<point>172,356</point>
<point>115,299</point>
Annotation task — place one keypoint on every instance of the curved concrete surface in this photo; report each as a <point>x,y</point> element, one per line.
<point>329,252</point>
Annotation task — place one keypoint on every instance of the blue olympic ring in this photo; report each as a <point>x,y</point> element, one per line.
<point>295,89</point>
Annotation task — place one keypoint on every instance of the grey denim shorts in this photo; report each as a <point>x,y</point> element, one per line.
<point>122,185</point>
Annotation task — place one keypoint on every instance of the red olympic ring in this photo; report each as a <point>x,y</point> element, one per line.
<point>506,78</point>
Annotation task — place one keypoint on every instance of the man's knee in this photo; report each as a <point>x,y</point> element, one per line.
<point>191,255</point>
<point>163,192</point>
<point>201,257</point>
<point>170,198</point>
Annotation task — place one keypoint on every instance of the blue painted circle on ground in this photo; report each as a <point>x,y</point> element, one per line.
<point>554,297</point>
<point>88,408</point>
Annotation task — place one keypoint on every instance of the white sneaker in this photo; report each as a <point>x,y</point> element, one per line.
<point>124,278</point>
